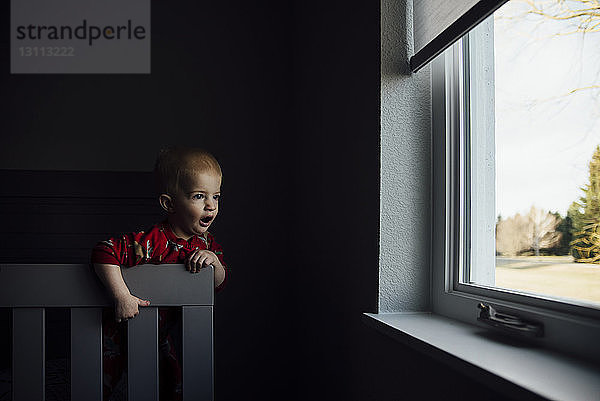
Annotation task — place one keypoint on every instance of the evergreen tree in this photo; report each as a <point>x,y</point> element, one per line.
<point>564,227</point>
<point>590,201</point>
<point>576,219</point>
<point>585,246</point>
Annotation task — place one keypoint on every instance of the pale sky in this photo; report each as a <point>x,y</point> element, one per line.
<point>544,140</point>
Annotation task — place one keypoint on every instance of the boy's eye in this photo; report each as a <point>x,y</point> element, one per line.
<point>202,196</point>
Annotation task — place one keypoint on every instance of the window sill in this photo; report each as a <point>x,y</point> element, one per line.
<point>518,370</point>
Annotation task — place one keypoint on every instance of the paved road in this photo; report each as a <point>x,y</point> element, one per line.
<point>503,261</point>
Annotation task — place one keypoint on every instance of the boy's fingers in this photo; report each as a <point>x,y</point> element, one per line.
<point>197,261</point>
<point>204,261</point>
<point>188,261</point>
<point>192,261</point>
<point>143,302</point>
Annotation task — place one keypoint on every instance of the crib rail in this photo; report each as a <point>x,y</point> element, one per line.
<point>30,288</point>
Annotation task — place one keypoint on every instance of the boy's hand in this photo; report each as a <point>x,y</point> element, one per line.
<point>201,258</point>
<point>126,306</point>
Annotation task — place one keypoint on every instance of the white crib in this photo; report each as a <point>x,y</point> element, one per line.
<point>30,288</point>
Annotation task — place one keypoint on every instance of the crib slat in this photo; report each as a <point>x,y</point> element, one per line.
<point>28,360</point>
<point>86,354</point>
<point>142,350</point>
<point>197,334</point>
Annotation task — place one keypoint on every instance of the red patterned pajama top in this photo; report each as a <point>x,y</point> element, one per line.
<point>157,245</point>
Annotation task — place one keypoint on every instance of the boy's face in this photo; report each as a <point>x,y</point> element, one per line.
<point>196,205</point>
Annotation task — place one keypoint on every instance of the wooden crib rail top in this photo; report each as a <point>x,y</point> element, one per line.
<point>77,285</point>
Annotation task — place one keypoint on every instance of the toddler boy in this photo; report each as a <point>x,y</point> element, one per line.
<point>189,183</point>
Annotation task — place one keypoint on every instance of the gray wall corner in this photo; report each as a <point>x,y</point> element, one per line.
<point>397,44</point>
<point>405,182</point>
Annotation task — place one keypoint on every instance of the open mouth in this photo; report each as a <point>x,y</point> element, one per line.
<point>205,221</point>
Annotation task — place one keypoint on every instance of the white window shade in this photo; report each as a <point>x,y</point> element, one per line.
<point>438,23</point>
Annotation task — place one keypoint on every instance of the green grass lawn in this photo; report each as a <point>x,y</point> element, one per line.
<point>555,276</point>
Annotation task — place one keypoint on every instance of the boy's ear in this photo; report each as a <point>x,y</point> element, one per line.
<point>166,202</point>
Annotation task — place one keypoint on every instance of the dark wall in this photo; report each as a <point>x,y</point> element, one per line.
<point>219,80</point>
<point>336,92</point>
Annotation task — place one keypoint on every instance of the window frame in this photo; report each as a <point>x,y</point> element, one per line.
<point>571,328</point>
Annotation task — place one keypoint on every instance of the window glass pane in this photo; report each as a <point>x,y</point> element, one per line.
<point>534,85</point>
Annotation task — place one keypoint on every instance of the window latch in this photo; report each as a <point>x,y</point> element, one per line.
<point>509,323</point>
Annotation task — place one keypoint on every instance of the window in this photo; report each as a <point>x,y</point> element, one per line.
<point>469,86</point>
